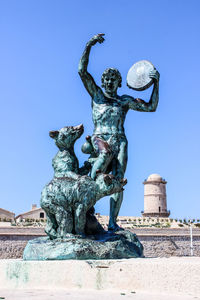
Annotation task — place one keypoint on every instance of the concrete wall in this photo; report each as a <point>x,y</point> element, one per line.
<point>155,244</point>
<point>12,246</point>
<point>167,246</point>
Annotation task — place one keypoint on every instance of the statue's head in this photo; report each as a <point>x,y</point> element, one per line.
<point>111,79</point>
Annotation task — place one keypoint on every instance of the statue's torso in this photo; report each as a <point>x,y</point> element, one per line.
<point>108,115</point>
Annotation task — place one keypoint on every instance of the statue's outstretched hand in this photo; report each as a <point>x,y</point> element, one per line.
<point>155,75</point>
<point>98,38</point>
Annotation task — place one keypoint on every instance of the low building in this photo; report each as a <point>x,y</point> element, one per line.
<point>34,214</point>
<point>6,215</point>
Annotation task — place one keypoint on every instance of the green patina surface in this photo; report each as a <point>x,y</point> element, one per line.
<point>17,272</point>
<point>69,198</point>
<point>108,142</point>
<point>122,244</point>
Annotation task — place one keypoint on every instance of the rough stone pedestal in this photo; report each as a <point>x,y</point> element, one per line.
<point>122,244</point>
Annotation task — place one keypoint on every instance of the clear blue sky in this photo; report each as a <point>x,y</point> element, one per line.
<point>40,46</point>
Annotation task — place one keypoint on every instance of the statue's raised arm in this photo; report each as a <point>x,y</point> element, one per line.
<point>141,105</point>
<point>86,77</point>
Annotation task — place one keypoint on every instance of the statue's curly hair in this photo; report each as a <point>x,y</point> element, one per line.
<point>111,71</point>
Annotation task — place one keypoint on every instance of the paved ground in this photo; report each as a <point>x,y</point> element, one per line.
<point>87,295</point>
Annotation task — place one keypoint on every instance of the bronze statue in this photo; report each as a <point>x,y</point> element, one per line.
<point>109,112</point>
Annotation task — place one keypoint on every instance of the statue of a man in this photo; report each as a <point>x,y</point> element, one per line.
<point>109,112</point>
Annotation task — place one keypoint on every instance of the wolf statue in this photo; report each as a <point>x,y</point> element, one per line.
<point>67,198</point>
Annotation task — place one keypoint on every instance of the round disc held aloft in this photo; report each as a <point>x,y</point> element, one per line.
<point>138,75</point>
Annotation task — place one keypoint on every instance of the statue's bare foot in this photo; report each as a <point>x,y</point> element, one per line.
<point>114,227</point>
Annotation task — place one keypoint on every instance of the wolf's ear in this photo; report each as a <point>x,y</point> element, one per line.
<point>53,134</point>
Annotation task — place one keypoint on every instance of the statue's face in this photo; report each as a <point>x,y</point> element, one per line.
<point>111,83</point>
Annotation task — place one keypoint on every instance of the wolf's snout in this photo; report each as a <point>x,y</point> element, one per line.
<point>79,127</point>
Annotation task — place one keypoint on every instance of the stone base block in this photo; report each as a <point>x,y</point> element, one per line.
<point>165,275</point>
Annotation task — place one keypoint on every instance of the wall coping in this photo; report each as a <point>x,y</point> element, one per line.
<point>138,234</point>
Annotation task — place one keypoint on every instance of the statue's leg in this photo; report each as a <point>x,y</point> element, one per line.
<point>51,225</point>
<point>115,204</point>
<point>80,219</point>
<point>49,208</point>
<point>101,163</point>
<point>118,170</point>
<point>104,153</point>
<point>65,221</point>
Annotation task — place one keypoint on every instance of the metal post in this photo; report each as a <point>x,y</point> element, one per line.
<point>191,241</point>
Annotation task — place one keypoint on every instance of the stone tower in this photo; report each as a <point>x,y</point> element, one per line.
<point>155,199</point>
